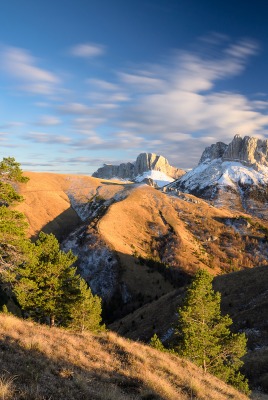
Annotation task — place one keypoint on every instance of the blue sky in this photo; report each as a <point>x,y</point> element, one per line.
<point>88,82</point>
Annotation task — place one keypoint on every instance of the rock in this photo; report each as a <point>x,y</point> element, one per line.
<point>144,162</point>
<point>108,171</point>
<point>248,150</point>
<point>234,174</point>
<point>212,152</point>
<point>150,182</point>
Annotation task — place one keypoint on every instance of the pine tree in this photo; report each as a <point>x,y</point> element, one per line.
<point>204,334</point>
<point>13,242</point>
<point>10,174</point>
<point>86,312</point>
<point>156,343</point>
<point>47,284</point>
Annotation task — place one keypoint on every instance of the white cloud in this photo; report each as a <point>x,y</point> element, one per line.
<point>141,81</point>
<point>102,84</point>
<point>75,108</point>
<point>41,137</point>
<point>48,120</point>
<point>87,50</point>
<point>178,105</point>
<point>21,65</point>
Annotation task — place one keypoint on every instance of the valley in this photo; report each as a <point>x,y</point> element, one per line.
<point>138,246</point>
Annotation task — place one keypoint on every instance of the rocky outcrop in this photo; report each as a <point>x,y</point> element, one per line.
<point>108,171</point>
<point>233,175</point>
<point>212,152</point>
<point>248,150</point>
<point>144,162</point>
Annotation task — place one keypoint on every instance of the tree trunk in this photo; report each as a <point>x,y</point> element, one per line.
<point>52,321</point>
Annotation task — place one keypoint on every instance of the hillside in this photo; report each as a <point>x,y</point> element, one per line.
<point>42,363</point>
<point>244,298</point>
<point>137,247</point>
<point>135,243</point>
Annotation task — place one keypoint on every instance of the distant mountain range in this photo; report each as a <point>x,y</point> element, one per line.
<point>234,175</point>
<point>148,166</point>
<point>138,247</point>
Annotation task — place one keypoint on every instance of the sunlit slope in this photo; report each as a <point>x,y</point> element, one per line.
<point>50,200</point>
<point>244,298</point>
<point>42,363</point>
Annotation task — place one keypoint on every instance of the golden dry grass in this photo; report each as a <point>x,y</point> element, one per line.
<point>56,364</point>
<point>6,386</point>
<point>47,205</point>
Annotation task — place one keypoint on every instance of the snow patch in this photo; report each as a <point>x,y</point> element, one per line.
<point>159,177</point>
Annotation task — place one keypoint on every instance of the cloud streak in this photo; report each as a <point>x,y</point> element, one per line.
<point>87,50</point>
<point>22,66</point>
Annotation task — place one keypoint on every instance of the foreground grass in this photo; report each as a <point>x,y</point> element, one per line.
<point>46,364</point>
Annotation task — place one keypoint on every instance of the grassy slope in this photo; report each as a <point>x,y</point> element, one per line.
<point>244,298</point>
<point>42,363</point>
<point>134,226</point>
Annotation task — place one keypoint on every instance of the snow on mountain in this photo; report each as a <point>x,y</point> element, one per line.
<point>221,173</point>
<point>159,177</point>
<point>144,163</point>
<point>234,174</point>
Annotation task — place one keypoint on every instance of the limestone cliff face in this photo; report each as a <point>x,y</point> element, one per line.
<point>248,150</point>
<point>212,152</point>
<point>108,171</point>
<point>144,162</point>
<point>233,175</point>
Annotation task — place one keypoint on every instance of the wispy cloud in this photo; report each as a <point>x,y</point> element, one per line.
<point>48,120</point>
<point>22,66</point>
<point>175,107</point>
<point>102,84</point>
<point>87,50</point>
<point>41,137</point>
<point>179,106</point>
<point>75,108</point>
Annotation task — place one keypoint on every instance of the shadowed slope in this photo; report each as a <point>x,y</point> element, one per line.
<point>42,363</point>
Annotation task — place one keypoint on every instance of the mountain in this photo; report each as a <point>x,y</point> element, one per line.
<point>244,298</point>
<point>137,246</point>
<point>146,166</point>
<point>125,235</point>
<point>234,174</point>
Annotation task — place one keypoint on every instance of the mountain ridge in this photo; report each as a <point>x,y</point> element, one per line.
<point>135,171</point>
<point>234,174</point>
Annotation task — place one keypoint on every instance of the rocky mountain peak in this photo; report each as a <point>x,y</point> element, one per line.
<point>248,150</point>
<point>144,162</point>
<point>233,174</point>
<point>212,152</point>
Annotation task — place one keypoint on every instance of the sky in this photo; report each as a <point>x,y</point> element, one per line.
<point>88,82</point>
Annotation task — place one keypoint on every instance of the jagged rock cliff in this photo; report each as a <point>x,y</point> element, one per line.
<point>144,162</point>
<point>108,171</point>
<point>231,175</point>
<point>250,151</point>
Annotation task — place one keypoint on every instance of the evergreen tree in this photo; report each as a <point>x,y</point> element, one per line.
<point>204,334</point>
<point>156,343</point>
<point>14,245</point>
<point>47,285</point>
<point>10,174</point>
<point>86,311</point>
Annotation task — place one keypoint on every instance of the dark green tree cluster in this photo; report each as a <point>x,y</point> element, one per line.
<point>10,175</point>
<point>41,276</point>
<point>13,225</point>
<point>204,334</point>
<point>49,289</point>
